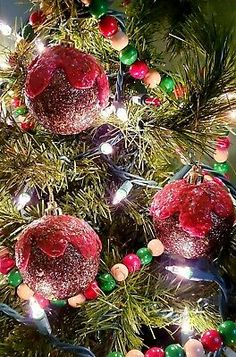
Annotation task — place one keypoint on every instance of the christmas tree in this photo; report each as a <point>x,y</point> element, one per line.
<point>117,236</point>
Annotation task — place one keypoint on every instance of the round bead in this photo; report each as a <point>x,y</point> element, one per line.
<point>120,272</point>
<point>98,8</point>
<point>20,111</point>
<point>42,301</point>
<point>77,301</point>
<point>194,348</point>
<point>228,332</point>
<point>24,292</point>
<point>222,168</point>
<point>115,354</point>
<point>132,262</point>
<point>174,351</point>
<point>37,18</point>
<point>58,302</point>
<point>153,101</point>
<point>92,291</point>
<point>28,33</point>
<point>167,84</point>
<point>14,278</point>
<point>119,41</point>
<point>155,352</point>
<point>134,353</point>
<point>156,247</point>
<point>223,143</point>
<point>108,26</point>
<point>86,2</point>
<point>211,340</point>
<point>27,126</point>
<point>107,282</point>
<point>145,255</point>
<point>16,102</point>
<point>152,79</point>
<point>128,55</point>
<point>221,155</point>
<point>138,70</point>
<point>6,264</point>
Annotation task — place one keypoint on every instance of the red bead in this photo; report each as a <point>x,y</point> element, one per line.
<point>92,291</point>
<point>138,70</point>
<point>42,301</point>
<point>211,340</point>
<point>132,262</point>
<point>16,102</point>
<point>155,352</point>
<point>6,264</point>
<point>27,126</point>
<point>108,26</point>
<point>223,143</point>
<point>37,18</point>
<point>153,101</point>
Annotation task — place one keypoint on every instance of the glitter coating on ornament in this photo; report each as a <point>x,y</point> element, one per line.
<point>58,256</point>
<point>66,89</point>
<point>193,220</point>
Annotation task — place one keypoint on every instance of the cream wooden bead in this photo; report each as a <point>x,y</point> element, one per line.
<point>119,41</point>
<point>156,247</point>
<point>120,272</point>
<point>194,348</point>
<point>152,78</point>
<point>77,300</point>
<point>24,292</point>
<point>134,353</point>
<point>221,155</point>
<point>86,2</point>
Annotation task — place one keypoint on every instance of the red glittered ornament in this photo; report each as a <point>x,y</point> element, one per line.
<point>155,352</point>
<point>58,256</point>
<point>92,291</point>
<point>108,26</point>
<point>66,89</point>
<point>37,18</point>
<point>138,70</point>
<point>211,340</point>
<point>193,220</point>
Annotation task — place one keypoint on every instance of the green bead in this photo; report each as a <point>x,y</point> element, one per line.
<point>145,255</point>
<point>20,111</point>
<point>58,303</point>
<point>174,351</point>
<point>106,282</point>
<point>28,33</point>
<point>128,55</point>
<point>115,354</point>
<point>222,168</point>
<point>14,278</point>
<point>98,8</point>
<point>167,84</point>
<point>228,331</point>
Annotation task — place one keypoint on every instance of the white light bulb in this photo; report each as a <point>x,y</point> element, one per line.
<point>120,111</point>
<point>39,46</point>
<point>5,29</point>
<point>184,272</point>
<point>37,312</point>
<point>122,192</point>
<point>22,200</point>
<point>106,148</point>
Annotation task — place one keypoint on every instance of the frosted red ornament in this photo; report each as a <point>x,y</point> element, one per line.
<point>37,18</point>
<point>138,70</point>
<point>58,256</point>
<point>193,220</point>
<point>108,26</point>
<point>66,89</point>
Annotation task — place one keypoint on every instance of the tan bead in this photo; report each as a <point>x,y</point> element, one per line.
<point>221,155</point>
<point>119,41</point>
<point>134,353</point>
<point>152,78</point>
<point>4,251</point>
<point>156,247</point>
<point>86,2</point>
<point>120,272</point>
<point>24,292</point>
<point>194,348</point>
<point>77,300</point>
